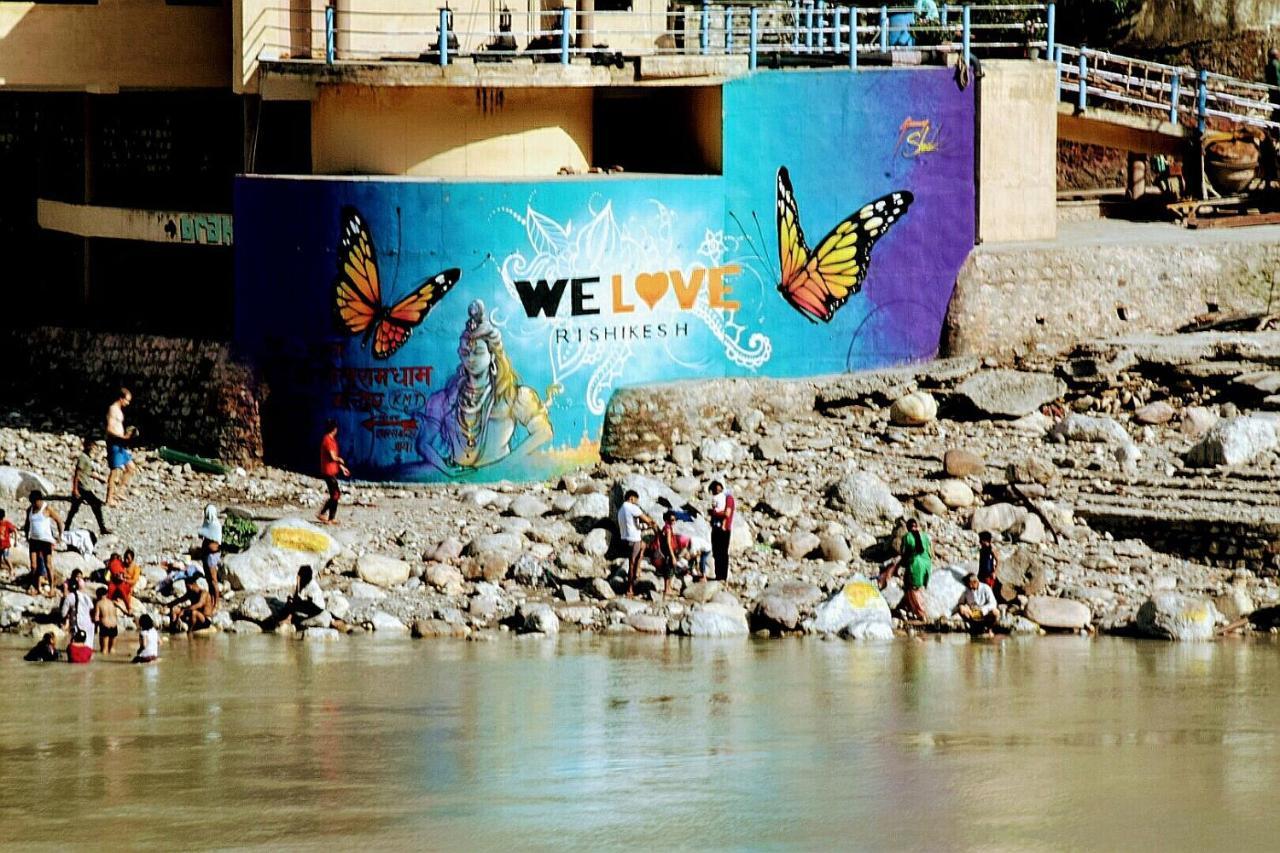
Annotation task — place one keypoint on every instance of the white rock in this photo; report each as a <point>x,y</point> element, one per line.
<point>1084,428</point>
<point>367,592</point>
<point>1030,529</point>
<point>385,623</point>
<point>16,484</point>
<point>381,570</point>
<point>915,409</point>
<point>445,577</point>
<point>1177,617</point>
<point>996,518</point>
<point>1010,393</point>
<point>539,618</point>
<point>1234,604</point>
<point>596,542</point>
<point>339,606</point>
<point>866,497</point>
<point>956,494</point>
<point>1058,613</point>
<point>254,608</point>
<point>852,610</point>
<point>1234,442</point>
<point>720,451</point>
<point>527,506</point>
<point>273,559</point>
<point>324,635</point>
<point>1196,421</point>
<point>940,597</point>
<point>590,505</point>
<point>715,619</point>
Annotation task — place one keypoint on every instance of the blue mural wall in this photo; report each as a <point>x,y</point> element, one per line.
<point>474,330</point>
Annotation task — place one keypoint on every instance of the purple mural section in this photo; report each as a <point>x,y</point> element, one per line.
<point>474,331</point>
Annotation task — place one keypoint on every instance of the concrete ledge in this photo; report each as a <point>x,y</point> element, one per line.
<point>683,66</point>
<point>293,76</point>
<point>1106,278</point>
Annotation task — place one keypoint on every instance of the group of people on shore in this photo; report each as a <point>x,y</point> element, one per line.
<point>977,606</point>
<point>670,551</point>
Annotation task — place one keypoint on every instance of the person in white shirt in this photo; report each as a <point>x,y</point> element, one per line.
<point>631,519</point>
<point>977,606</point>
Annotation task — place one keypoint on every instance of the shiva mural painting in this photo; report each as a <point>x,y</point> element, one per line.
<point>483,415</point>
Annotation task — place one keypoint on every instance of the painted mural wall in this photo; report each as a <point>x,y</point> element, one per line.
<point>474,330</point>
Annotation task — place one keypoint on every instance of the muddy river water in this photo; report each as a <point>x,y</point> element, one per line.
<point>624,742</point>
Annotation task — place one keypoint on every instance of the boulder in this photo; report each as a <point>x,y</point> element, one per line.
<point>647,623</point>
<point>740,538</point>
<point>434,628</point>
<point>538,618</point>
<point>915,409</point>
<point>367,592</point>
<point>447,551</point>
<point>719,451</point>
<point>655,496</point>
<point>780,503</point>
<point>528,570</point>
<point>858,611</point>
<point>320,635</point>
<point>386,624</point>
<point>494,553</point>
<point>323,619</point>
<point>1085,428</point>
<point>594,505</point>
<point>1176,617</point>
<point>932,504</point>
<point>273,559</point>
<point>1061,614</point>
<point>527,506</point>
<point>777,612</point>
<point>1021,573</point>
<point>1234,442</point>
<point>1154,414</point>
<point>942,594</point>
<point>865,496</point>
<point>963,463</point>
<point>835,548</point>
<point>381,570</point>
<point>596,543</point>
<point>253,608</point>
<point>1010,393</point>
<point>802,543</point>
<point>715,619</point>
<point>1196,421</point>
<point>1029,529</point>
<point>996,518</point>
<point>16,484</point>
<point>339,606</point>
<point>956,494</point>
<point>770,448</point>
<point>602,590</point>
<point>1032,469</point>
<point>445,578</point>
<point>1234,604</point>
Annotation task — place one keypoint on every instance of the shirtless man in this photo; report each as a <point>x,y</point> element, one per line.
<point>104,617</point>
<point>119,459</point>
<point>197,611</point>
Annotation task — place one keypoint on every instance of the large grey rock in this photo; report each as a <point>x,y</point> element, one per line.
<point>273,559</point>
<point>527,506</point>
<point>996,518</point>
<point>963,463</point>
<point>802,543</point>
<point>946,585</point>
<point>387,625</point>
<point>1234,604</point>
<point>782,503</point>
<point>528,570</point>
<point>865,497</point>
<point>1154,414</point>
<point>495,552</point>
<point>915,409</point>
<point>445,578</point>
<point>1061,614</point>
<point>596,542</point>
<point>1234,442</point>
<point>777,612</point>
<point>538,618</point>
<point>647,623</point>
<point>720,451</point>
<point>655,495</point>
<point>858,611</point>
<point>1176,617</point>
<point>381,570</point>
<point>1094,430</point>
<point>1196,421</point>
<point>835,548</point>
<point>1010,393</point>
<point>591,505</point>
<point>715,619</point>
<point>253,608</point>
<point>956,494</point>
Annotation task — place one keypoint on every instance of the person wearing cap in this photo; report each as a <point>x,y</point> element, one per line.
<point>210,534</point>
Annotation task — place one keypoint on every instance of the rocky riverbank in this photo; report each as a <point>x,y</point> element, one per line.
<point>1129,486</point>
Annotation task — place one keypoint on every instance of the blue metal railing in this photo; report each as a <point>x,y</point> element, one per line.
<point>804,28</point>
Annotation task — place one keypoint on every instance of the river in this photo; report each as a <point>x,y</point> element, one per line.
<point>591,742</point>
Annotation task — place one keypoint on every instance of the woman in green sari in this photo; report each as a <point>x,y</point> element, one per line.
<point>916,562</point>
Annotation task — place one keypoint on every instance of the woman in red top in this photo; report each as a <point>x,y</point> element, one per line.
<point>331,465</point>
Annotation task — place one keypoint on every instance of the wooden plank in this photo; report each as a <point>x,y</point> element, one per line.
<point>1229,221</point>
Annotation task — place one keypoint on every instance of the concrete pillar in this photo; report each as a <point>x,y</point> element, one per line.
<point>1136,183</point>
<point>586,23</point>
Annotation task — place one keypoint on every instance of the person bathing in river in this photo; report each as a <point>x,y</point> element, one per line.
<point>210,534</point>
<point>80,650</point>
<point>472,422</point>
<point>45,651</point>
<point>123,577</point>
<point>148,641</point>
<point>104,620</point>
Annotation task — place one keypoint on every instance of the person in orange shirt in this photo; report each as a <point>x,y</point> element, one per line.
<point>331,465</point>
<point>7,529</point>
<point>123,576</point>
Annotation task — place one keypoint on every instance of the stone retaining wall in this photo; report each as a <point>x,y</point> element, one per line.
<point>1011,299</point>
<point>190,395</point>
<point>1214,542</point>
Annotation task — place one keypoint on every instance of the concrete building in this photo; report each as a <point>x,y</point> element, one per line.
<point>630,168</point>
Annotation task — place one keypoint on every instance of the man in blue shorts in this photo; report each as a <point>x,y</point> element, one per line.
<point>119,459</point>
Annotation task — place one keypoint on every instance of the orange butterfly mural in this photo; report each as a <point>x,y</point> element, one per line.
<point>358,292</point>
<point>817,282</point>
